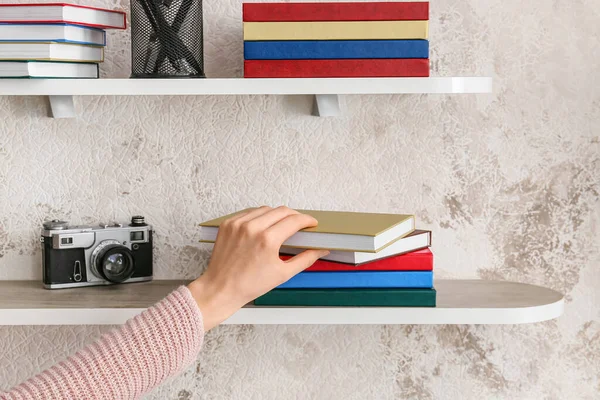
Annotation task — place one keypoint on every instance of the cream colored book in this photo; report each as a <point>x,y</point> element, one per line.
<point>336,30</point>
<point>338,230</point>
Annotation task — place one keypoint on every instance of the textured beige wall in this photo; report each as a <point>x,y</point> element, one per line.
<point>509,183</point>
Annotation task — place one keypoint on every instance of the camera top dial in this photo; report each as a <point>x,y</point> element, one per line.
<point>55,225</point>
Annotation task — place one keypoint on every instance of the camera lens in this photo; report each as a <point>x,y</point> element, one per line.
<point>114,263</point>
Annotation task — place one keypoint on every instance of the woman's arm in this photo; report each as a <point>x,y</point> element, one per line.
<point>126,362</point>
<point>160,342</point>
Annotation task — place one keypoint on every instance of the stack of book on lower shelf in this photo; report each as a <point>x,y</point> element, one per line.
<point>336,40</point>
<point>375,260</point>
<point>54,40</point>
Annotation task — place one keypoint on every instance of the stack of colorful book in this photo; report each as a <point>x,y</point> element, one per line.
<point>375,260</point>
<point>54,40</point>
<point>336,40</point>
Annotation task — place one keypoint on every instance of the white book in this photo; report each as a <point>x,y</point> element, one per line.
<point>50,51</point>
<point>35,69</point>
<point>62,13</point>
<point>415,241</point>
<point>52,33</point>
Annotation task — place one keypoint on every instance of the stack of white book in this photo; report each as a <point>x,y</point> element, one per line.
<point>54,40</point>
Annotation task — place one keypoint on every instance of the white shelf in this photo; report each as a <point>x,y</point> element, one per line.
<point>61,91</point>
<point>459,302</point>
<point>238,86</point>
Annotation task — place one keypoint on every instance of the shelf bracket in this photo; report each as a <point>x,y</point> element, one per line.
<point>62,106</point>
<point>326,105</point>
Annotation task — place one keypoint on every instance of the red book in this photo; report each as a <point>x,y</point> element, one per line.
<point>421,260</point>
<point>61,13</point>
<point>294,12</point>
<point>358,68</point>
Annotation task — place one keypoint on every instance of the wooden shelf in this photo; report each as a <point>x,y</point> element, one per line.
<point>459,302</point>
<point>61,91</point>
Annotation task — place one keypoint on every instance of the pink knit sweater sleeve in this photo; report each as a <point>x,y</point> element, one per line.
<point>128,361</point>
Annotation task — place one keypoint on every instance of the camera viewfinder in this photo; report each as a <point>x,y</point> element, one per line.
<point>137,235</point>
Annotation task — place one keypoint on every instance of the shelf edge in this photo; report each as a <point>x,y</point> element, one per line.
<point>303,316</point>
<point>241,86</point>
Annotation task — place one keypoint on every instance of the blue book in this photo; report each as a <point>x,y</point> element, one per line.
<point>360,279</point>
<point>62,33</point>
<point>335,49</point>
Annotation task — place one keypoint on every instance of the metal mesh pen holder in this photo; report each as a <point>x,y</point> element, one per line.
<point>166,39</point>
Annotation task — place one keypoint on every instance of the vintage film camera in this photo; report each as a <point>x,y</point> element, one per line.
<point>74,256</point>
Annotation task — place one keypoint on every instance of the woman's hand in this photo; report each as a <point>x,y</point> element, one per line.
<point>245,262</point>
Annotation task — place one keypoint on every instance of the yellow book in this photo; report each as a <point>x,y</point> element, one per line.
<point>50,51</point>
<point>338,230</point>
<point>337,30</point>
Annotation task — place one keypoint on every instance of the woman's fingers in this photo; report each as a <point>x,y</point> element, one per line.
<point>303,260</point>
<point>231,226</point>
<point>270,218</point>
<point>272,226</point>
<point>286,227</point>
<point>237,216</point>
<point>250,214</point>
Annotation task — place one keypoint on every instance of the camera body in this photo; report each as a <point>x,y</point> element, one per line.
<point>76,256</point>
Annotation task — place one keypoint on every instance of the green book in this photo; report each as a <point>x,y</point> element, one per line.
<point>349,298</point>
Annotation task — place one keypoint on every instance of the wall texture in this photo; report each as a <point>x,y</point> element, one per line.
<point>509,183</point>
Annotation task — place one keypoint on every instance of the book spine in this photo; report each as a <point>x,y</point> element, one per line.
<point>99,10</point>
<point>336,68</point>
<point>338,30</point>
<point>66,41</point>
<point>62,60</point>
<point>360,279</point>
<point>58,21</point>
<point>63,6</point>
<point>297,12</point>
<point>417,261</point>
<point>349,298</point>
<point>335,49</point>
